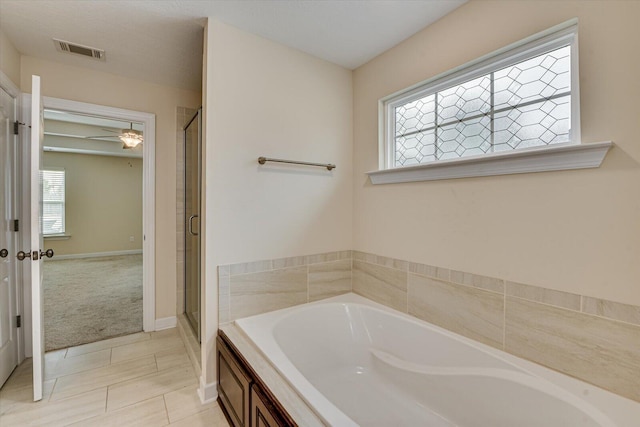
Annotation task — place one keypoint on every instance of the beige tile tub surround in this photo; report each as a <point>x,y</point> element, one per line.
<point>601,351</point>
<point>612,310</point>
<point>329,279</point>
<point>477,281</point>
<point>250,288</point>
<point>224,284</point>
<point>595,340</point>
<point>546,296</point>
<point>430,271</point>
<point>385,285</point>
<point>468,311</point>
<point>257,293</point>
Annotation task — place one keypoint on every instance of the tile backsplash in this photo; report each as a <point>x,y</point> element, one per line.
<point>466,310</point>
<point>385,285</point>
<point>601,351</point>
<point>595,340</point>
<point>328,279</point>
<point>250,288</point>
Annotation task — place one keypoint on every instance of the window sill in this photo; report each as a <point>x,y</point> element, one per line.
<point>551,158</point>
<point>57,237</point>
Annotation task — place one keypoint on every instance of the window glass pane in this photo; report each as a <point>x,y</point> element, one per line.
<point>540,77</point>
<point>466,100</point>
<point>53,202</point>
<point>52,218</point>
<point>53,186</point>
<point>416,148</point>
<point>466,138</point>
<point>524,105</point>
<point>542,123</point>
<point>415,116</point>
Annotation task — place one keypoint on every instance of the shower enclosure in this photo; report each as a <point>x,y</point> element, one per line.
<point>192,184</point>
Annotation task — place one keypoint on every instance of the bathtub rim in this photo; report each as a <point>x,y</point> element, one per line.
<point>621,410</point>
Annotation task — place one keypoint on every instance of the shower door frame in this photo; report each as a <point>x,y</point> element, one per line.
<point>187,223</point>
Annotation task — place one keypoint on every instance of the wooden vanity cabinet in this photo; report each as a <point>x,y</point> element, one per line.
<point>262,413</point>
<point>244,398</point>
<point>234,387</point>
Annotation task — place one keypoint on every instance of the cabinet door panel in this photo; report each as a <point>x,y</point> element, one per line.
<point>233,387</point>
<point>261,416</point>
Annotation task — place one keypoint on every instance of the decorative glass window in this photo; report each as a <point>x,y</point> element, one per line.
<point>522,96</point>
<point>53,202</point>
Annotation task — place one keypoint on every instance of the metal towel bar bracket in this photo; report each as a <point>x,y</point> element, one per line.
<point>263,160</point>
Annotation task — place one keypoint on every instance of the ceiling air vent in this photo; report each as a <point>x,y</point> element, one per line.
<point>68,47</point>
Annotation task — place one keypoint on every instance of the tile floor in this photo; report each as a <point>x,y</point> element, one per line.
<point>144,379</point>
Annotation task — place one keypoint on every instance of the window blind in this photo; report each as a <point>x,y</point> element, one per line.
<point>53,202</point>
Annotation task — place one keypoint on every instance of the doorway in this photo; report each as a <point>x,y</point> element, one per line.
<point>148,198</point>
<point>92,220</point>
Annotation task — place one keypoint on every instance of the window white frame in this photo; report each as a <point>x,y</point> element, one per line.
<point>63,203</point>
<point>490,164</point>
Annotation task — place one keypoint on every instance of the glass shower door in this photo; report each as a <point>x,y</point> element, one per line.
<point>192,184</point>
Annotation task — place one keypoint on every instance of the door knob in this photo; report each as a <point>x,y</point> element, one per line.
<point>3,253</point>
<point>48,253</point>
<point>22,255</point>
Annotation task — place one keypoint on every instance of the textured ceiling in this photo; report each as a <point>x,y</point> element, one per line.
<point>161,40</point>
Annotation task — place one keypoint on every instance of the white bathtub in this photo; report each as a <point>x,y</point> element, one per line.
<point>356,362</point>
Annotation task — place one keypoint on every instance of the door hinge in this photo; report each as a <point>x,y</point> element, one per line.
<point>18,321</point>
<point>15,225</point>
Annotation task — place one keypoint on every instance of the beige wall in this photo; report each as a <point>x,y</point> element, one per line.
<point>9,59</point>
<point>264,99</point>
<point>84,85</point>
<point>576,231</point>
<point>103,203</point>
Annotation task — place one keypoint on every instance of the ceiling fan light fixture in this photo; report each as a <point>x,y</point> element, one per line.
<point>130,138</point>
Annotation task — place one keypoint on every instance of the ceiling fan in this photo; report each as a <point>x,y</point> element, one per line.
<point>130,137</point>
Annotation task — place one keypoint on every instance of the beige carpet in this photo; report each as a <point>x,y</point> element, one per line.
<point>91,299</point>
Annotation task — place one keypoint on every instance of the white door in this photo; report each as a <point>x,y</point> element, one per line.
<point>8,324</point>
<point>37,310</point>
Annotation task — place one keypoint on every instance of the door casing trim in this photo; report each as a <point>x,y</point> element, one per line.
<point>8,86</point>
<point>148,191</point>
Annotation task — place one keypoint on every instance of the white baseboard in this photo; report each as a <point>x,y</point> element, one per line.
<point>166,323</point>
<point>207,392</point>
<point>94,255</point>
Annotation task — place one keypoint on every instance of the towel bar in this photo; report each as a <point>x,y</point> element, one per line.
<point>263,160</point>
